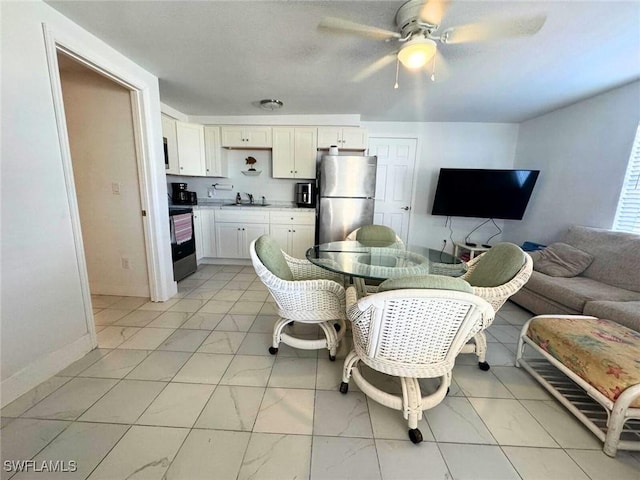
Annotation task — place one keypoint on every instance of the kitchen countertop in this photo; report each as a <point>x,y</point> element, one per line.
<point>223,204</point>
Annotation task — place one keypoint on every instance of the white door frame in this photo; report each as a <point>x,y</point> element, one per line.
<point>418,140</point>
<point>159,287</point>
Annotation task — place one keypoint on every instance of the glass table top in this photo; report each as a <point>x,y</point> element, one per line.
<point>379,263</point>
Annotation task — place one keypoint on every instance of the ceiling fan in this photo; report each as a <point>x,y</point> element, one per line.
<point>418,23</point>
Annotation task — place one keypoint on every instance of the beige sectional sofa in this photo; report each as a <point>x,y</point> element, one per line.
<point>608,288</point>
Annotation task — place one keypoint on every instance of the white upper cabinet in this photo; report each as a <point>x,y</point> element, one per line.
<point>348,138</point>
<point>294,152</point>
<point>171,144</point>
<point>246,137</point>
<point>215,162</point>
<point>191,155</point>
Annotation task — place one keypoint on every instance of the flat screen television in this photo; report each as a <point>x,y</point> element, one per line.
<point>481,193</point>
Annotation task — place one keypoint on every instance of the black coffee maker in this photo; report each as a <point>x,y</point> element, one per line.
<point>306,194</point>
<point>181,196</point>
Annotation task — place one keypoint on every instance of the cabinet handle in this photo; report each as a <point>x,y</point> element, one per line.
<point>243,229</point>
<point>293,231</point>
<point>296,171</point>
<point>181,168</point>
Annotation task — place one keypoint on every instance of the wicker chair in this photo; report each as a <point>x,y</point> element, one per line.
<point>315,296</point>
<point>496,296</point>
<point>411,334</point>
<point>376,236</point>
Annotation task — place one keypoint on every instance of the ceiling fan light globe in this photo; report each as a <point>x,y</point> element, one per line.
<point>417,52</point>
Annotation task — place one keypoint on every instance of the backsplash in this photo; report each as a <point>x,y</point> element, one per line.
<point>274,189</point>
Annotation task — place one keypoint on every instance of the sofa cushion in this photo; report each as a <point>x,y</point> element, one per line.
<point>497,266</point>
<point>575,292</point>
<point>271,256</point>
<point>438,282</point>
<point>616,255</point>
<point>624,313</point>
<point>561,260</point>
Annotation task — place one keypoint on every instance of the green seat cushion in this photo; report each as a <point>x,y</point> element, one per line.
<point>497,266</point>
<point>436,282</point>
<point>271,256</point>
<point>376,235</point>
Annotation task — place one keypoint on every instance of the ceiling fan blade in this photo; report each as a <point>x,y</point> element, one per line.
<point>433,11</point>
<point>487,31</point>
<point>374,67</point>
<point>347,26</point>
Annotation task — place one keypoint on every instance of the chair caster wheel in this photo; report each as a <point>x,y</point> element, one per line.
<point>273,350</point>
<point>484,366</point>
<point>415,435</point>
<point>332,358</point>
<point>344,387</point>
<point>337,327</point>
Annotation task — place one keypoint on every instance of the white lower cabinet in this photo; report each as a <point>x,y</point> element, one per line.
<point>204,231</point>
<point>235,230</point>
<point>294,232</point>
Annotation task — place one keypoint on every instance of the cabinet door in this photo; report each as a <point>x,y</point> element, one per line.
<point>228,238</point>
<point>250,232</point>
<point>169,132</point>
<point>281,234</point>
<point>208,232</point>
<point>215,161</point>
<point>283,153</point>
<point>190,148</point>
<point>328,136</point>
<point>197,232</point>
<point>306,152</point>
<point>302,238</point>
<point>258,137</point>
<point>354,138</point>
<point>232,137</point>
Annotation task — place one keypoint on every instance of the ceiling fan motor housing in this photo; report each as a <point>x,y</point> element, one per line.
<point>408,18</point>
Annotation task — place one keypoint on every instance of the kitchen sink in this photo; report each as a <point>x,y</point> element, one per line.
<point>246,204</point>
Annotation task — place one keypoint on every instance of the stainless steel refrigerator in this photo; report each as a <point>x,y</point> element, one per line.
<point>347,185</point>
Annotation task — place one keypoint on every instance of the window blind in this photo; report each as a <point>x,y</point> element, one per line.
<point>628,213</point>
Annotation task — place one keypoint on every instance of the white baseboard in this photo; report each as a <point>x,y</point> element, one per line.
<point>119,290</point>
<point>43,368</point>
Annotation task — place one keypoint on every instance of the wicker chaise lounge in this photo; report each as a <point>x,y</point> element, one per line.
<point>592,366</point>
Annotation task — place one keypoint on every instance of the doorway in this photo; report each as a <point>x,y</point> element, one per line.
<point>102,141</point>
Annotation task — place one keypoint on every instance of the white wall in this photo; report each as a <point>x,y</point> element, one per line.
<point>582,152</point>
<point>449,145</point>
<point>44,325</point>
<point>101,137</point>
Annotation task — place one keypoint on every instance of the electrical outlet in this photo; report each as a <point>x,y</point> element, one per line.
<point>115,188</point>
<point>125,263</point>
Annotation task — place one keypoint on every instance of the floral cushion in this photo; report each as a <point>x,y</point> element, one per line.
<point>603,353</point>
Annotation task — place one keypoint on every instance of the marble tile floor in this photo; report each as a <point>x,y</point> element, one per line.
<point>186,389</point>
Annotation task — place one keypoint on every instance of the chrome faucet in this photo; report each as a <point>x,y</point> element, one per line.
<point>250,198</point>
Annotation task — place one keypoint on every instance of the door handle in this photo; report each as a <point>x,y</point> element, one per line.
<point>407,208</point>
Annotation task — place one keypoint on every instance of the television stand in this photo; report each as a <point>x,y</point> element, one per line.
<point>460,247</point>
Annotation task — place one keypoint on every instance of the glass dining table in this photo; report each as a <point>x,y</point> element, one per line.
<point>362,262</point>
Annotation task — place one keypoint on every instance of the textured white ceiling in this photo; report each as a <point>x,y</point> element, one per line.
<point>220,57</point>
